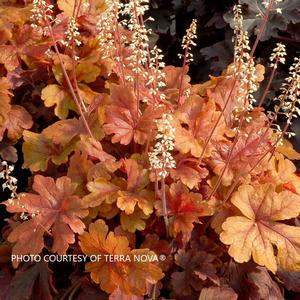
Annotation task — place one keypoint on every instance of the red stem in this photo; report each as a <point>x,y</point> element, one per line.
<point>68,81</point>
<point>267,89</point>
<point>164,205</point>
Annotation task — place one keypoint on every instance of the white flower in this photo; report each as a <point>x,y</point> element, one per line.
<point>160,158</point>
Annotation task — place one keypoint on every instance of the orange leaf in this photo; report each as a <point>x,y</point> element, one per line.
<point>134,221</point>
<point>225,91</point>
<point>100,189</point>
<point>38,150</point>
<point>94,148</point>
<point>9,57</point>
<point>184,208</point>
<point>78,171</point>
<point>256,231</point>
<point>54,208</point>
<point>173,80</point>
<point>286,148</point>
<point>4,99</point>
<point>63,131</point>
<point>130,276</point>
<point>136,195</point>
<point>17,120</point>
<point>200,118</point>
<point>123,121</point>
<point>246,153</point>
<point>189,173</point>
<point>55,95</point>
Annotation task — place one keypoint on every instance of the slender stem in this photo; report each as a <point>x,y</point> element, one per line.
<point>262,28</point>
<point>156,185</point>
<point>137,75</point>
<point>68,81</point>
<point>119,47</point>
<point>75,14</point>
<point>121,63</point>
<point>227,163</point>
<point>218,120</point>
<point>153,293</point>
<point>267,89</point>
<point>164,205</point>
<point>272,148</point>
<point>261,31</point>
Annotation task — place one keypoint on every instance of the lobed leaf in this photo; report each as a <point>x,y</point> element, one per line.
<point>54,209</point>
<point>55,95</point>
<point>130,277</point>
<point>256,231</point>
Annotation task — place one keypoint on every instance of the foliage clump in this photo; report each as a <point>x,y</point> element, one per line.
<point>179,189</point>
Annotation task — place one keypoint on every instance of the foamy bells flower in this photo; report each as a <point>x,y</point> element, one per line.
<point>189,41</point>
<point>244,66</point>
<point>278,55</point>
<point>161,158</point>
<point>106,26</point>
<point>72,34</point>
<point>10,182</point>
<point>139,7</point>
<point>289,99</point>
<point>40,11</point>
<point>138,41</point>
<point>155,78</point>
<point>290,96</point>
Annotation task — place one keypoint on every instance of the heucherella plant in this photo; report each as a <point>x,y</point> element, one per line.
<point>144,184</point>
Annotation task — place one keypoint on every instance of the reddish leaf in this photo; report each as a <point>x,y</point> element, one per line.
<point>190,173</point>
<point>225,90</point>
<point>130,277</point>
<point>4,99</point>
<point>173,79</point>
<point>118,295</point>
<point>198,266</point>
<point>266,287</point>
<point>122,118</point>
<point>31,283</point>
<point>8,152</point>
<point>94,148</point>
<point>57,211</point>
<point>184,208</point>
<point>63,131</point>
<point>17,120</point>
<point>246,153</point>
<point>9,57</point>
<point>291,280</point>
<point>199,126</point>
<point>216,293</point>
<point>78,171</point>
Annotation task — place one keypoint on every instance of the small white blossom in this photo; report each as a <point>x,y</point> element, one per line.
<point>189,41</point>
<point>278,55</point>
<point>160,158</point>
<point>10,182</point>
<point>72,34</point>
